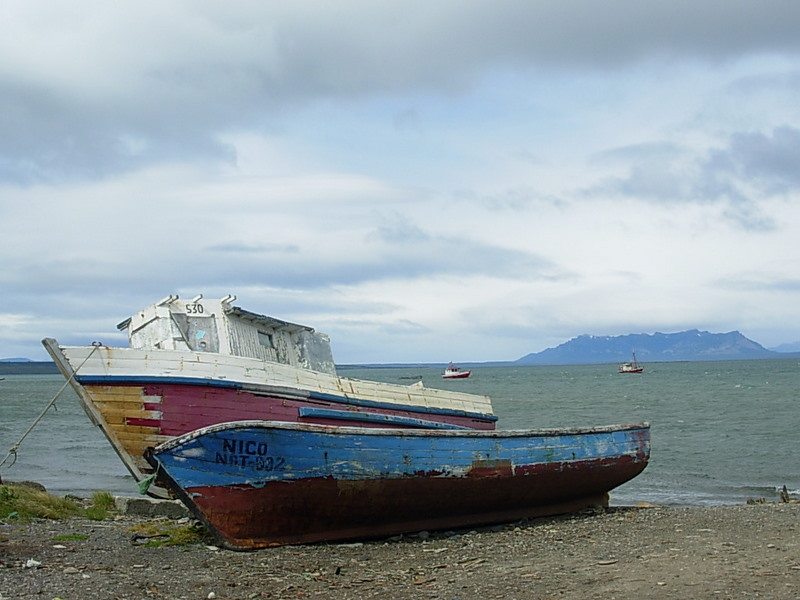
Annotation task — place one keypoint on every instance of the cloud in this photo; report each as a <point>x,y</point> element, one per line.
<point>760,282</point>
<point>750,166</point>
<point>507,176</point>
<point>111,88</point>
<point>768,162</point>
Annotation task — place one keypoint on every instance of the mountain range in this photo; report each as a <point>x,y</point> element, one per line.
<point>692,345</point>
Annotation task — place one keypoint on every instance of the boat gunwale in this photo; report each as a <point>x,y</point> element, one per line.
<point>387,432</point>
<point>429,395</point>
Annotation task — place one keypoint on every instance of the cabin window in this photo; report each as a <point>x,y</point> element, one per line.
<point>265,339</point>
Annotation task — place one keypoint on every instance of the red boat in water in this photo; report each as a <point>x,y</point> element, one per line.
<point>453,372</point>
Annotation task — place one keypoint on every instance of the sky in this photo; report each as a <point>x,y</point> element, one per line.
<point>422,181</point>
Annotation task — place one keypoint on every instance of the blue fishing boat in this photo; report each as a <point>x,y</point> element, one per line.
<point>262,483</point>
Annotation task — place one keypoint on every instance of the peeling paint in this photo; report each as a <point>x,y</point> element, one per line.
<point>345,482</point>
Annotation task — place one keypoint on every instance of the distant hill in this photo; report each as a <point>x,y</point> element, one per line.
<point>24,366</point>
<point>690,345</point>
<point>790,347</point>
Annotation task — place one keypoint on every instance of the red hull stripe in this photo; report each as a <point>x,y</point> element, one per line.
<point>186,408</point>
<point>214,384</point>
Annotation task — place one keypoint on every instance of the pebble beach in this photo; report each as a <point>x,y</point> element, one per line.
<point>743,551</point>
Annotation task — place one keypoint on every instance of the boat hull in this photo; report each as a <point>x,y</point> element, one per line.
<point>631,367</point>
<point>257,484</point>
<point>457,375</point>
<point>141,398</point>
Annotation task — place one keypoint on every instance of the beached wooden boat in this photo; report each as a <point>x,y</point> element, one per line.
<point>257,484</point>
<point>196,363</point>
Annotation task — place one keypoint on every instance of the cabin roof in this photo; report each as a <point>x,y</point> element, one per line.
<point>254,318</point>
<point>272,322</point>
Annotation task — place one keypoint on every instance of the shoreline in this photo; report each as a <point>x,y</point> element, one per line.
<point>731,551</point>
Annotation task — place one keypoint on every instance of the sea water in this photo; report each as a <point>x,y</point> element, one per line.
<point>722,432</point>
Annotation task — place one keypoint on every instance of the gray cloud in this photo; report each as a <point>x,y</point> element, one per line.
<point>392,250</point>
<point>374,165</point>
<point>757,283</point>
<point>768,161</point>
<point>655,172</point>
<point>750,166</point>
<point>399,251</point>
<point>110,89</point>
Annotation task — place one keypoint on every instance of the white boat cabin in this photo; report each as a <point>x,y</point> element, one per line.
<point>215,326</point>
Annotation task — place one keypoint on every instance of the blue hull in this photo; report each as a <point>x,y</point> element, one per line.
<point>261,483</point>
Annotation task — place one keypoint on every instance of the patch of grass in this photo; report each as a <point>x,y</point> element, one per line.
<point>104,499</point>
<point>93,513</point>
<point>102,504</point>
<point>159,533</point>
<point>21,503</point>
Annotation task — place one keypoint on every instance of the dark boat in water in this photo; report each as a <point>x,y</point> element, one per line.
<point>631,367</point>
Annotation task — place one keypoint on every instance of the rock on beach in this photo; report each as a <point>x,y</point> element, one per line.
<point>746,551</point>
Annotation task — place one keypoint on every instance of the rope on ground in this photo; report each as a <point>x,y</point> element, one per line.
<point>12,452</point>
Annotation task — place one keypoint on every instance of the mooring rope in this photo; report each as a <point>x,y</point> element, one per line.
<point>13,450</point>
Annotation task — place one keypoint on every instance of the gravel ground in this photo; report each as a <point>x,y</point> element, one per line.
<point>747,551</point>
